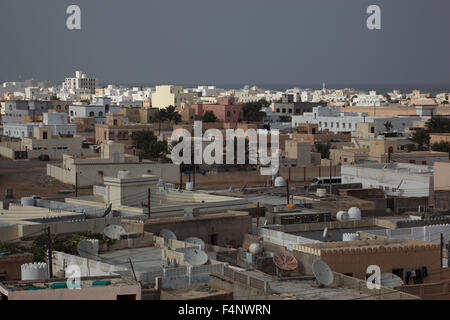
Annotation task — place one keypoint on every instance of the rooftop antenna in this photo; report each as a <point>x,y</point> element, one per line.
<point>284,262</point>
<point>108,210</point>
<point>195,257</point>
<point>196,241</point>
<point>322,272</point>
<point>325,235</point>
<point>113,231</point>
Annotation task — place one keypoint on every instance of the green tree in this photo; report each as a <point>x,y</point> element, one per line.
<point>324,149</point>
<point>438,124</point>
<point>149,146</point>
<point>172,114</point>
<point>252,110</point>
<point>421,138</point>
<point>442,146</point>
<point>161,116</point>
<point>209,116</point>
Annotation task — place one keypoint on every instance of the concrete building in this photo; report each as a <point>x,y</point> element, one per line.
<point>55,122</point>
<point>168,95</point>
<point>96,111</point>
<point>91,288</point>
<point>351,258</point>
<point>334,120</point>
<point>439,137</point>
<point>10,265</point>
<point>15,110</point>
<point>288,106</point>
<point>396,179</point>
<point>91,169</point>
<point>80,81</point>
<point>225,111</point>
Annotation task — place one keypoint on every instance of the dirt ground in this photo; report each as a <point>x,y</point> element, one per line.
<point>29,177</point>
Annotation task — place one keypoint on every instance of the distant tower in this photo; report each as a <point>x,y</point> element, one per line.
<point>324,89</point>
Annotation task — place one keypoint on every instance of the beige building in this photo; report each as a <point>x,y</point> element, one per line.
<point>168,95</point>
<point>91,169</point>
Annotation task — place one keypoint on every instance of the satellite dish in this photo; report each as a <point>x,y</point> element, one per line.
<point>167,234</point>
<point>285,262</point>
<point>196,241</point>
<point>322,272</point>
<point>88,248</point>
<point>391,280</point>
<point>108,210</point>
<point>195,257</point>
<point>113,231</point>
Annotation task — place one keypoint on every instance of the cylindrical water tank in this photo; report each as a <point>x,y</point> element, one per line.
<point>123,174</point>
<point>110,142</point>
<point>342,216</point>
<point>354,213</point>
<point>34,271</point>
<point>279,182</point>
<point>255,248</point>
<point>189,186</point>
<point>350,237</point>
<point>321,192</point>
<point>27,201</point>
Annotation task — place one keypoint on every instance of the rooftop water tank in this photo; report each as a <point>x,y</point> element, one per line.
<point>110,142</point>
<point>34,271</point>
<point>342,216</point>
<point>27,201</point>
<point>123,174</point>
<point>350,237</point>
<point>354,213</point>
<point>255,248</point>
<point>321,192</point>
<point>279,182</point>
<point>189,186</point>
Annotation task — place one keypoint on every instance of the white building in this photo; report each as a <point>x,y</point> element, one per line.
<point>369,100</point>
<point>57,121</point>
<point>396,179</point>
<point>81,81</point>
<point>333,119</point>
<point>98,110</point>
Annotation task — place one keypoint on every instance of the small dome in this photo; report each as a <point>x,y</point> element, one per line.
<point>354,213</point>
<point>279,182</point>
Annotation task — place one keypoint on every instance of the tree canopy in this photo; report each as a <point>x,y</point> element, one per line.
<point>149,146</point>
<point>209,116</point>
<point>252,110</point>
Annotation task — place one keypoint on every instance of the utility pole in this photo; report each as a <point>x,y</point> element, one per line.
<point>193,177</point>
<point>50,260</point>
<point>132,268</point>
<point>287,191</point>
<point>442,248</point>
<point>331,172</point>
<point>148,205</point>
<point>76,183</point>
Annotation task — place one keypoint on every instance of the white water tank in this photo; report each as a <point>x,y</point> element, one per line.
<point>350,237</point>
<point>189,186</point>
<point>354,213</point>
<point>110,142</point>
<point>34,271</point>
<point>321,192</point>
<point>123,174</point>
<point>342,216</point>
<point>27,201</point>
<point>279,182</point>
<point>255,248</point>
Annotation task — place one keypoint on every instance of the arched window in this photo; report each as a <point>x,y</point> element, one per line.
<point>91,114</point>
<point>100,114</point>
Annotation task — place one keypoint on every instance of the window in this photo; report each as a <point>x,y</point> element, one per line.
<point>212,239</point>
<point>91,114</point>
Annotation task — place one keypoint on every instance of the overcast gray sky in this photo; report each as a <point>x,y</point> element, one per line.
<point>228,41</point>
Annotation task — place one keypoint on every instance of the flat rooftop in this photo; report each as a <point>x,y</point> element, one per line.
<point>55,284</point>
<point>18,214</point>
<point>334,234</point>
<point>143,259</point>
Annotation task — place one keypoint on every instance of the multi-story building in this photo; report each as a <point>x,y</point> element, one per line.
<point>98,110</point>
<point>16,109</point>
<point>169,95</point>
<point>80,81</point>
<point>225,111</point>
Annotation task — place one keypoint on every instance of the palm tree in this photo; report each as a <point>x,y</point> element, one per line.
<point>438,124</point>
<point>161,116</point>
<point>422,139</point>
<point>172,114</point>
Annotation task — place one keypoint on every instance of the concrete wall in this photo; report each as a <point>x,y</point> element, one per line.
<point>11,265</point>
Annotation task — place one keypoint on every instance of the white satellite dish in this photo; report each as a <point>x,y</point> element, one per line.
<point>88,248</point>
<point>113,231</point>
<point>391,280</point>
<point>322,272</point>
<point>196,241</point>
<point>167,234</point>
<point>195,257</point>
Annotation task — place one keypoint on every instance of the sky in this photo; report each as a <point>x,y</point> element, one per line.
<point>228,42</point>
